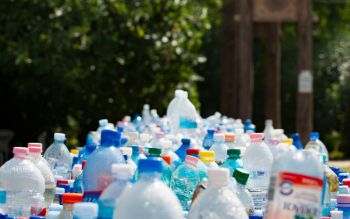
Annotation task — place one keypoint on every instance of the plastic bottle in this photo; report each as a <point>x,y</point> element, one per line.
<point>268,131</point>
<point>35,150</point>
<point>258,161</point>
<point>173,103</point>
<point>122,174</point>
<point>87,150</point>
<point>233,161</point>
<point>279,134</point>
<point>77,176</point>
<point>167,151</point>
<point>243,194</point>
<point>208,158</point>
<point>208,139</point>
<point>146,115</point>
<point>296,141</point>
<point>181,151</point>
<point>102,126</point>
<point>249,126</point>
<point>22,180</point>
<point>161,201</point>
<point>217,201</point>
<point>85,210</point>
<point>316,144</point>
<point>59,157</point>
<point>285,146</point>
<point>326,192</point>
<point>229,139</point>
<point>167,171</point>
<point>240,142</point>
<point>2,201</point>
<point>201,167</point>
<point>68,200</point>
<point>296,186</point>
<point>127,152</point>
<point>97,171</point>
<point>184,181</point>
<point>220,148</point>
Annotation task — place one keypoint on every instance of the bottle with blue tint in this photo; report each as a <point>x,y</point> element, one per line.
<point>87,150</point>
<point>102,126</point>
<point>208,139</point>
<point>181,152</point>
<point>97,171</point>
<point>2,200</point>
<point>160,201</point>
<point>122,174</point>
<point>136,155</point>
<point>296,141</point>
<point>316,144</point>
<point>154,153</point>
<point>184,181</point>
<point>249,126</point>
<point>77,177</point>
<point>85,210</point>
<point>233,161</point>
<point>58,156</point>
<point>326,192</point>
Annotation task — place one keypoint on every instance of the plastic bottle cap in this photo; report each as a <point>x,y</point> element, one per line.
<point>59,137</point>
<point>207,156</point>
<point>85,210</point>
<point>256,136</point>
<point>55,207</point>
<point>103,122</point>
<point>3,216</point>
<point>218,176</point>
<point>218,137</point>
<point>229,137</point>
<point>314,135</point>
<point>150,165</point>
<point>343,189</point>
<point>178,93</point>
<point>146,106</point>
<point>346,182</point>
<point>241,175</point>
<point>74,151</point>
<point>71,198</point>
<point>336,214</point>
<point>192,151</point>
<point>36,217</point>
<point>268,122</point>
<point>156,151</point>
<point>210,131</point>
<point>295,136</point>
<point>61,181</point>
<point>326,218</point>
<point>35,150</point>
<point>60,191</point>
<point>122,171</point>
<point>167,159</point>
<point>109,136</point>
<point>255,217</point>
<point>20,150</point>
<point>234,152</point>
<point>160,135</point>
<point>52,214</point>
<point>288,141</point>
<point>34,144</point>
<point>186,141</point>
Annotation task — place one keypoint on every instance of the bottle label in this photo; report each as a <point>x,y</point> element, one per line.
<point>91,196</point>
<point>192,161</point>
<point>260,200</point>
<point>186,123</point>
<point>292,195</point>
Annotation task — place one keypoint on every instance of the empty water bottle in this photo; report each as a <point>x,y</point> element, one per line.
<point>167,171</point>
<point>220,148</point>
<point>243,194</point>
<point>233,161</point>
<point>68,200</point>
<point>316,144</point>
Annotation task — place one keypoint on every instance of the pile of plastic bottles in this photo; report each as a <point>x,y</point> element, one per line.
<point>175,167</point>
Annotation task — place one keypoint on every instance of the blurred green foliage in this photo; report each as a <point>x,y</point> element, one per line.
<point>64,64</point>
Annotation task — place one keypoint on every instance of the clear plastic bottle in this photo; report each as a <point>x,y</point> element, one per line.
<point>97,171</point>
<point>208,158</point>
<point>87,150</point>
<point>217,201</point>
<point>233,161</point>
<point>279,134</point>
<point>229,140</point>
<point>77,177</point>
<point>296,186</point>
<point>220,148</point>
<point>185,180</point>
<point>167,170</point>
<point>68,200</point>
<point>316,144</point>
<point>22,180</point>
<point>208,139</point>
<point>243,194</point>
<point>146,115</point>
<point>122,174</point>
<point>149,197</point>
<point>240,142</point>
<point>35,150</point>
<point>85,210</point>
<point>168,151</point>
<point>181,151</point>
<point>59,157</point>
<point>173,102</point>
<point>258,161</point>
<point>268,131</point>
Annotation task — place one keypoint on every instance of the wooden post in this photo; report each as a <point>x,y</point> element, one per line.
<point>305,97</point>
<point>273,72</point>
<point>245,61</point>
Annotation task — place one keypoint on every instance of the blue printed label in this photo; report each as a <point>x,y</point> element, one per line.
<point>91,196</point>
<point>186,123</point>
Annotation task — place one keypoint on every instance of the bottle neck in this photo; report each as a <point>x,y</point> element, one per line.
<point>59,142</point>
<point>233,157</point>
<point>21,156</point>
<point>68,207</point>
<point>150,176</point>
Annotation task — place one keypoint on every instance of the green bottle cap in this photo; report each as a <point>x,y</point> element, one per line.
<point>233,152</point>
<point>241,176</point>
<point>155,151</point>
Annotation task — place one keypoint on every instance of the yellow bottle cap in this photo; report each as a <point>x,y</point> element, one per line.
<point>74,151</point>
<point>288,141</point>
<point>207,156</point>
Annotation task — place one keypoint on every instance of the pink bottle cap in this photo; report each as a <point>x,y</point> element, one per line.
<point>33,144</point>
<point>256,135</point>
<point>35,150</point>
<point>20,150</point>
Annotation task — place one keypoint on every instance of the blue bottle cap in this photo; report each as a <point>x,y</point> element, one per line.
<point>120,128</point>
<point>150,165</point>
<point>8,217</point>
<point>210,131</point>
<point>66,187</point>
<point>186,141</point>
<point>255,216</point>
<point>135,149</point>
<point>3,216</point>
<point>36,217</point>
<point>314,135</point>
<point>109,137</point>
<point>295,136</point>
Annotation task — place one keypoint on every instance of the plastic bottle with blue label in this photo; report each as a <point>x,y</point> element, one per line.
<point>220,148</point>
<point>2,200</point>
<point>161,201</point>
<point>217,200</point>
<point>87,150</point>
<point>122,174</point>
<point>296,141</point>
<point>208,139</point>
<point>233,161</point>
<point>154,153</point>
<point>97,171</point>
<point>58,156</point>
<point>85,210</point>
<point>181,151</point>
<point>296,186</point>
<point>258,161</point>
<point>185,180</point>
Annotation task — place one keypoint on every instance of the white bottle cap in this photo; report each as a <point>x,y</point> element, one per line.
<point>122,171</point>
<point>219,137</point>
<point>103,122</point>
<point>85,210</point>
<point>52,214</point>
<point>337,214</point>
<point>218,176</point>
<point>146,107</point>
<point>268,122</point>
<point>59,136</point>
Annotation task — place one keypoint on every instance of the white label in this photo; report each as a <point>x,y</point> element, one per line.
<point>260,200</point>
<point>305,82</point>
